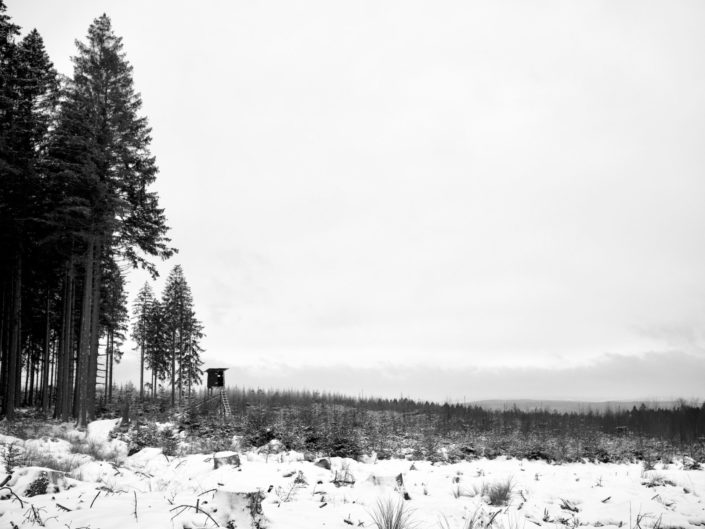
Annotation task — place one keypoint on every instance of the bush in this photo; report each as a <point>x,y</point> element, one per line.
<point>260,436</point>
<point>169,442</point>
<point>141,437</point>
<point>38,486</point>
<point>147,435</point>
<point>345,447</point>
<point>11,455</point>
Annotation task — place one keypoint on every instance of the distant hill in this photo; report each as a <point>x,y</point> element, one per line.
<point>570,405</point>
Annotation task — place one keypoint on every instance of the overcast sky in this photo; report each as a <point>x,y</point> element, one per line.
<point>440,199</point>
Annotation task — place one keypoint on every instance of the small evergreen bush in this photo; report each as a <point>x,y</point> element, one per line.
<point>38,486</point>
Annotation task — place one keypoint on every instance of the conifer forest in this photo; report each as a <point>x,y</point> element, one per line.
<point>77,212</point>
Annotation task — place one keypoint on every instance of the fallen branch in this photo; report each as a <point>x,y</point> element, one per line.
<point>196,508</point>
<point>96,497</point>
<point>15,495</point>
<point>207,491</point>
<point>32,515</point>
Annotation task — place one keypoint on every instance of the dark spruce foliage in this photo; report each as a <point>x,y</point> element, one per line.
<point>76,207</point>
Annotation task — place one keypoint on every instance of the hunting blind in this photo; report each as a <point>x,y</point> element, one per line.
<point>216,377</point>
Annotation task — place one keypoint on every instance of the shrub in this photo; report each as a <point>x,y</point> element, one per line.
<point>392,514</point>
<point>260,436</point>
<point>141,437</point>
<point>38,486</point>
<point>169,442</point>
<point>647,464</point>
<point>11,455</point>
<point>345,447</point>
<point>145,436</point>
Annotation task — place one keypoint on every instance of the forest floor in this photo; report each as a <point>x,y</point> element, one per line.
<point>275,489</point>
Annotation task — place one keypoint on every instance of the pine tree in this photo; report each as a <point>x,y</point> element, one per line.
<point>103,166</point>
<point>184,333</point>
<point>27,98</point>
<point>191,352</point>
<point>141,312</point>
<point>75,200</point>
<point>8,86</point>
<point>157,347</point>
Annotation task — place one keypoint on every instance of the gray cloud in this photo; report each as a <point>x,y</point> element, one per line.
<point>492,185</point>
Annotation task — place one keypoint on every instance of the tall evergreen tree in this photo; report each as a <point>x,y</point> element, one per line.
<point>103,164</point>
<point>75,200</point>
<point>142,309</point>
<point>8,86</point>
<point>27,97</point>
<point>191,353</point>
<point>184,333</point>
<point>157,345</point>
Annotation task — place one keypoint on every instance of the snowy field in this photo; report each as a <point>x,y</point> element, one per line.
<point>282,491</point>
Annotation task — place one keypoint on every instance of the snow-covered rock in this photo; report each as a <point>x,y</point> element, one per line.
<point>226,458</point>
<point>99,431</point>
<point>237,509</point>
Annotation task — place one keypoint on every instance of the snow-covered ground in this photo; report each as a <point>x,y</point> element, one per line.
<point>151,490</point>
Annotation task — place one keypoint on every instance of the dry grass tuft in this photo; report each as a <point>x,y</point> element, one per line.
<point>35,458</point>
<point>392,513</point>
<point>97,451</point>
<point>500,493</point>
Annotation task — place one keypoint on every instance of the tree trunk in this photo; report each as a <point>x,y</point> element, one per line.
<point>29,379</point>
<point>92,373</point>
<point>84,340</point>
<point>142,355</point>
<point>17,292</point>
<point>109,366</point>
<point>13,356</point>
<point>173,370</point>
<point>54,369</point>
<point>46,371</point>
<point>64,358</point>
<point>4,325</point>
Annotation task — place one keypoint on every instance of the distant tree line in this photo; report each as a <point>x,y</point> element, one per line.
<point>76,211</point>
<point>305,415</point>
